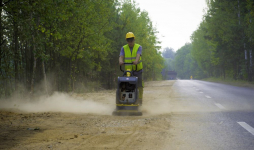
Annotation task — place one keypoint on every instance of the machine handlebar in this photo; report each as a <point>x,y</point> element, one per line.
<point>125,71</point>
<point>126,64</point>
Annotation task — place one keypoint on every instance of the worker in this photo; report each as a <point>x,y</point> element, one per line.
<point>131,53</point>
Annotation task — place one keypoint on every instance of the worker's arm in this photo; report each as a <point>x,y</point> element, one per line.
<point>137,59</point>
<point>121,60</point>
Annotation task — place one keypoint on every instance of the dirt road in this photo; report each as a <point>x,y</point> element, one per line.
<point>51,125</point>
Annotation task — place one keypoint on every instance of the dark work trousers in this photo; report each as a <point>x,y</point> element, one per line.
<point>140,86</point>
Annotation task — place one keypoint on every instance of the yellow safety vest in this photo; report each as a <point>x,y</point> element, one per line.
<point>131,56</point>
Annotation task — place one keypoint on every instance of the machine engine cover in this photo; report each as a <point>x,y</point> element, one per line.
<point>127,91</point>
<point>130,80</point>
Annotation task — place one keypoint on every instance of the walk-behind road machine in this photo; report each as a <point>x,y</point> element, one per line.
<point>127,102</point>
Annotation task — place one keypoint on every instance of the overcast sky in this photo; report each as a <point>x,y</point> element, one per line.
<point>174,19</point>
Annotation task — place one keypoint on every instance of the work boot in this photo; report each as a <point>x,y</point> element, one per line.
<point>140,102</point>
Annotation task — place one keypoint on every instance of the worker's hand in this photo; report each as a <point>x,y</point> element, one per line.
<point>121,63</point>
<point>135,62</point>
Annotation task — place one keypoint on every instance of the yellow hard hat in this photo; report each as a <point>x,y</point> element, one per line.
<point>130,35</point>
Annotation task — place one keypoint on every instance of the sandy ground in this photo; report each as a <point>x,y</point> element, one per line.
<point>84,121</point>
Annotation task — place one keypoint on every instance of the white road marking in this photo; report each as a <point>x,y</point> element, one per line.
<point>247,127</point>
<point>219,105</point>
<point>207,96</point>
<point>200,92</point>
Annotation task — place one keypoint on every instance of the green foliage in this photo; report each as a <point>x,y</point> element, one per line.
<point>169,56</point>
<point>222,45</point>
<point>185,65</point>
<point>138,22</point>
<point>76,42</point>
<point>168,53</point>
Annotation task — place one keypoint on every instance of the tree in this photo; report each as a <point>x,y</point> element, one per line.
<point>168,53</point>
<point>222,43</point>
<point>71,45</point>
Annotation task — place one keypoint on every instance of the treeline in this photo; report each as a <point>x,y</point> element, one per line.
<point>182,62</point>
<point>70,45</point>
<point>169,56</point>
<point>185,65</point>
<point>223,44</point>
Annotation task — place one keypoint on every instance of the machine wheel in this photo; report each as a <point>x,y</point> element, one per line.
<point>137,102</point>
<point>125,113</point>
<point>139,114</point>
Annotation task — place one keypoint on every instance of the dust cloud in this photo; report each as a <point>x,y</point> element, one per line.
<point>156,108</point>
<point>58,102</point>
<point>159,98</point>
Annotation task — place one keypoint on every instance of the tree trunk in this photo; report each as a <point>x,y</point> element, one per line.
<point>1,37</point>
<point>70,67</point>
<point>224,74</point>
<point>33,75</point>
<point>26,61</point>
<point>44,76</point>
<point>16,56</point>
<point>34,68</point>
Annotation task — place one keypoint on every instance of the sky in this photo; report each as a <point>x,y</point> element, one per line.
<point>175,20</point>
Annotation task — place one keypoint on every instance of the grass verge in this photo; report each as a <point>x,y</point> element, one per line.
<point>240,83</point>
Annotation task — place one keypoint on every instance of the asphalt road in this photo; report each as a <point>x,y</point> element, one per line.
<point>210,115</point>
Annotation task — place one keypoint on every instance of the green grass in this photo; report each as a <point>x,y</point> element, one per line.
<point>240,83</point>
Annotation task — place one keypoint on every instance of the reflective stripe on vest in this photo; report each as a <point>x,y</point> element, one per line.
<point>131,56</point>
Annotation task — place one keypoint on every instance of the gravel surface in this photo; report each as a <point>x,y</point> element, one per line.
<point>50,125</point>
